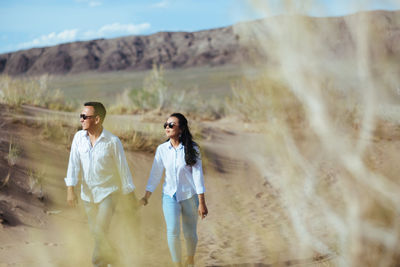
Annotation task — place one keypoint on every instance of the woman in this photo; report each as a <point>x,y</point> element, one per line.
<point>183,189</point>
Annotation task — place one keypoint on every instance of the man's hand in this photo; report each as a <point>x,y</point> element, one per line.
<point>72,200</point>
<point>133,199</point>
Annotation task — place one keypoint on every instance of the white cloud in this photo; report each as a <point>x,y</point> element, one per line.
<point>116,29</point>
<point>51,39</point>
<point>162,4</point>
<point>91,3</point>
<point>95,3</point>
<point>106,31</point>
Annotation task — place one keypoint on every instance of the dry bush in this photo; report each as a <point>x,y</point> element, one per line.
<point>145,140</point>
<point>32,91</point>
<point>263,99</point>
<point>57,131</point>
<point>157,95</point>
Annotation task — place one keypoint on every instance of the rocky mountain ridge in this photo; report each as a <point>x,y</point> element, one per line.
<point>179,49</point>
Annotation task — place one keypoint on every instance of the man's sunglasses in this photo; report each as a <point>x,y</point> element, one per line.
<point>170,125</point>
<point>84,116</point>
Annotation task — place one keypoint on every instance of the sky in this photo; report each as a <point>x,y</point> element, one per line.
<point>26,24</point>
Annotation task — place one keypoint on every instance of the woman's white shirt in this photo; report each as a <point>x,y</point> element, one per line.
<point>180,178</point>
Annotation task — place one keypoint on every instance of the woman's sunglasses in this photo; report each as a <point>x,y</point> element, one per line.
<point>84,116</point>
<point>170,125</point>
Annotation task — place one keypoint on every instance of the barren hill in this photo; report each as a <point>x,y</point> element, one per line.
<point>186,49</point>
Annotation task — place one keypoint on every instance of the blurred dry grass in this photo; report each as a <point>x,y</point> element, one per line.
<point>328,161</point>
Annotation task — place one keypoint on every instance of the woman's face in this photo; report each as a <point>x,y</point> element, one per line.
<point>174,131</point>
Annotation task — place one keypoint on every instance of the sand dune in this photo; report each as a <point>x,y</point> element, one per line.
<point>242,228</point>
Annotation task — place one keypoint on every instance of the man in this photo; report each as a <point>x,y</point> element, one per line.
<point>99,156</point>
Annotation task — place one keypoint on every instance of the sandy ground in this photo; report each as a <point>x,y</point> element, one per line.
<point>242,228</point>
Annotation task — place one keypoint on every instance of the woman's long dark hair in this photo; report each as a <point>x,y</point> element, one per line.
<point>186,139</point>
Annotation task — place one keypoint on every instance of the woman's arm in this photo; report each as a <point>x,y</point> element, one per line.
<point>203,211</point>
<point>155,177</point>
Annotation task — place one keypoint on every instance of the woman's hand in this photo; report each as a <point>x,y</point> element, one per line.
<point>203,211</point>
<point>143,201</point>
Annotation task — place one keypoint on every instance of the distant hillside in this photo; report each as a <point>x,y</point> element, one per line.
<point>181,49</point>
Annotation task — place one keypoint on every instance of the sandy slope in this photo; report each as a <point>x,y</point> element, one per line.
<point>242,228</point>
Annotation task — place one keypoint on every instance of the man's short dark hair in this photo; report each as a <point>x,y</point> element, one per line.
<point>99,109</point>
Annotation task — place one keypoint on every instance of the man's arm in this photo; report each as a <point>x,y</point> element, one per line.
<point>72,199</point>
<point>72,173</point>
<point>123,169</point>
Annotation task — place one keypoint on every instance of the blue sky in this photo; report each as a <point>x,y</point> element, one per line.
<point>36,23</point>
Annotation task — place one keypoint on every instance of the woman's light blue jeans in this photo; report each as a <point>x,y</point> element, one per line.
<point>172,213</point>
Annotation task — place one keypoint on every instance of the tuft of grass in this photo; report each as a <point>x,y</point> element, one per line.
<point>6,180</point>
<point>35,182</point>
<point>14,152</point>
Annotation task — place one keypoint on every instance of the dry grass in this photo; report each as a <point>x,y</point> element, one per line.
<point>14,151</point>
<point>57,131</point>
<point>32,91</point>
<point>157,95</point>
<point>35,182</point>
<point>263,99</point>
<point>140,141</point>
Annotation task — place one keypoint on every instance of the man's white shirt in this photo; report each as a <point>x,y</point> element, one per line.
<point>103,166</point>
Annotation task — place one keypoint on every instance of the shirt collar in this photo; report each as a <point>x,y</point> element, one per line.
<point>102,135</point>
<point>170,145</point>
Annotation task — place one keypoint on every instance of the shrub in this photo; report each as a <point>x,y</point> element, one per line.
<point>32,91</point>
<point>262,99</point>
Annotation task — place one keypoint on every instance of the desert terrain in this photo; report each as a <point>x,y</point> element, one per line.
<point>299,152</point>
<point>40,230</point>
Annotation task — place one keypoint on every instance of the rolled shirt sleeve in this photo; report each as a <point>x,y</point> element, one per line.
<point>73,164</point>
<point>123,168</point>
<point>156,172</point>
<point>198,178</point>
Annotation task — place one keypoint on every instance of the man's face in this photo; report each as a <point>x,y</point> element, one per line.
<point>90,121</point>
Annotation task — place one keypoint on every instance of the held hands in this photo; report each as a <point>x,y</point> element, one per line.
<point>136,202</point>
<point>143,201</point>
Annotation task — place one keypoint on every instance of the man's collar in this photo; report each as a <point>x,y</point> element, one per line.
<point>102,135</point>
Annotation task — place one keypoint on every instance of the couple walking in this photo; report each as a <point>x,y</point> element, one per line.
<point>99,156</point>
